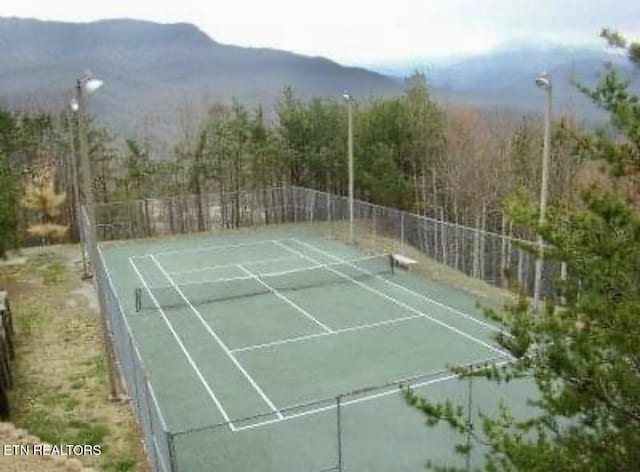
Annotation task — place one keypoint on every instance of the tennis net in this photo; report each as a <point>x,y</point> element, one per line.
<point>211,291</point>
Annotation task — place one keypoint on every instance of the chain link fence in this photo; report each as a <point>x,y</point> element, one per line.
<point>127,357</point>
<point>494,258</point>
<point>491,257</point>
<point>185,214</point>
<point>354,431</point>
<point>337,427</point>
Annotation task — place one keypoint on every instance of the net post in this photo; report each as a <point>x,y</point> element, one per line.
<point>138,295</point>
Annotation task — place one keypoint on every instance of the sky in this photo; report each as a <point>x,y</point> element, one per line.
<point>362,31</point>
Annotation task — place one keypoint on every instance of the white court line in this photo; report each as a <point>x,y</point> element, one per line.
<point>374,396</point>
<point>218,340</point>
<point>285,299</point>
<point>408,290</point>
<point>206,248</point>
<point>225,266</point>
<point>317,335</point>
<point>184,349</point>
<point>399,303</point>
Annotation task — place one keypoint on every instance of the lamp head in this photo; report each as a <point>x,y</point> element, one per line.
<point>92,85</point>
<point>88,83</point>
<point>346,96</point>
<point>75,106</point>
<point>543,81</point>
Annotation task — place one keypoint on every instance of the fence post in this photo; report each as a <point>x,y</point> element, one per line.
<point>475,270</point>
<point>401,232</point>
<point>373,224</point>
<point>339,430</point>
<point>173,462</point>
<point>443,236</point>
<point>503,252</point>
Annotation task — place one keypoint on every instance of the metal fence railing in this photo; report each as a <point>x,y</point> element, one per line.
<point>478,254</point>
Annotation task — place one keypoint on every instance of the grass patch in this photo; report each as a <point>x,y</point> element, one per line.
<point>28,322</point>
<point>42,424</point>
<point>87,433</point>
<point>61,387</point>
<point>95,368</point>
<point>125,464</point>
<point>46,424</point>
<point>51,267</point>
<point>60,399</point>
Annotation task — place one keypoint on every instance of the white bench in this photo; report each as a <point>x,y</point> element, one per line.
<point>403,261</point>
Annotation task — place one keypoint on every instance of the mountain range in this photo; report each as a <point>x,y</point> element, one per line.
<point>152,70</point>
<point>505,76</point>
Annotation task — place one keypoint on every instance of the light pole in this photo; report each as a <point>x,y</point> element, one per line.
<point>86,84</point>
<point>76,192</point>
<point>543,82</point>
<point>349,99</point>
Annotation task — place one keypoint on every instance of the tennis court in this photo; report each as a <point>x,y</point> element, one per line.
<point>261,347</point>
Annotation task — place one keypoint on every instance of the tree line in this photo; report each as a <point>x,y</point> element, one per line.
<point>452,163</point>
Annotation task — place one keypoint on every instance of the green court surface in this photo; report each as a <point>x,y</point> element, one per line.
<point>252,339</point>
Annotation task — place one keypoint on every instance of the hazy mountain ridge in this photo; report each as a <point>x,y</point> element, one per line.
<point>505,76</point>
<point>151,69</point>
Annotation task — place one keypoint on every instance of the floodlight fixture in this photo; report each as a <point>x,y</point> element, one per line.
<point>88,83</point>
<point>543,81</point>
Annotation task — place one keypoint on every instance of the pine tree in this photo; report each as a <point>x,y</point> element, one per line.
<point>584,356</point>
<point>8,219</point>
<point>41,200</point>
